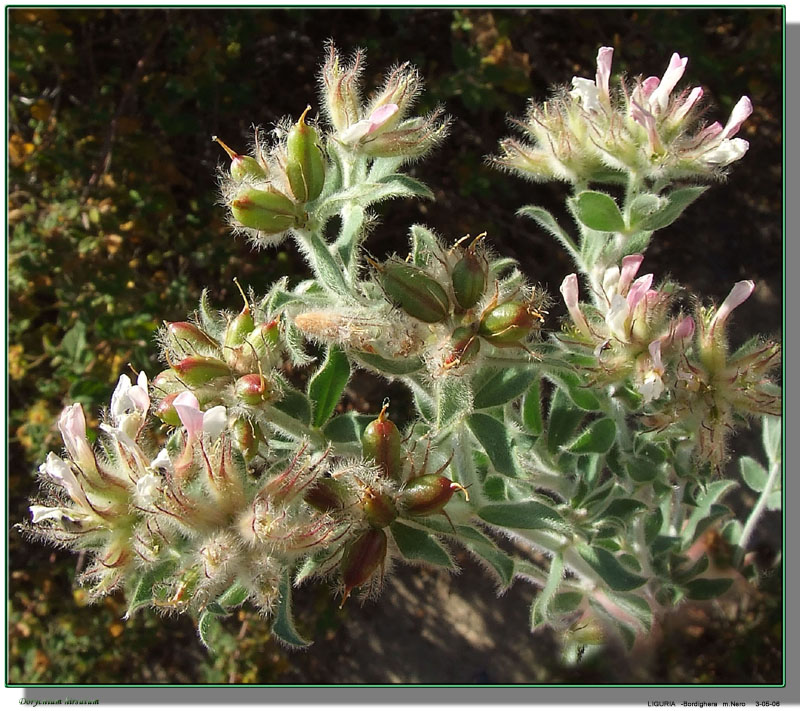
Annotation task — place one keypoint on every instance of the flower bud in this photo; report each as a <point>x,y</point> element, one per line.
<point>417,294</point>
<point>508,323</point>
<point>305,167</point>
<point>469,278</point>
<point>198,370</point>
<point>362,558</point>
<point>253,389</point>
<point>378,508</point>
<point>187,338</point>
<point>326,494</point>
<point>242,167</point>
<point>381,442</point>
<point>428,494</point>
<point>268,211</point>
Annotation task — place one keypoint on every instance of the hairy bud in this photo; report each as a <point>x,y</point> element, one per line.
<point>305,167</point>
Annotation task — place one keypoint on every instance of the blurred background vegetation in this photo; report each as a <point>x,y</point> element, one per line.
<point>114,226</point>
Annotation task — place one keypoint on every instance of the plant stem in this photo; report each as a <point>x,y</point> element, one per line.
<point>755,514</point>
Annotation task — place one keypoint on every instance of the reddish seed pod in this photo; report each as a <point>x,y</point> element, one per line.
<point>268,211</point>
<point>187,337</point>
<point>418,294</point>
<point>199,370</point>
<point>464,347</point>
<point>378,508</point>
<point>326,494</point>
<point>382,442</point>
<point>469,277</point>
<point>428,494</point>
<point>253,389</point>
<point>362,558</point>
<point>246,435</point>
<point>166,412</point>
<point>508,323</point>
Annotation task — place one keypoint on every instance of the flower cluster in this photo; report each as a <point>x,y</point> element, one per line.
<point>646,129</point>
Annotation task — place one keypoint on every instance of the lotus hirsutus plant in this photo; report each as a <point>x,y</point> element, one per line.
<point>599,447</point>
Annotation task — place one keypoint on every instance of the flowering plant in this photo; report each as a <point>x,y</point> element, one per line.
<point>599,448</point>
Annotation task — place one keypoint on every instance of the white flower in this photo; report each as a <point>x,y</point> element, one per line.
<point>148,489</point>
<point>588,93</point>
<point>59,472</point>
<point>652,386</point>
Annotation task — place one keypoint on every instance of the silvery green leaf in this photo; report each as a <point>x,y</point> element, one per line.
<point>597,211</point>
<point>496,442</point>
<point>502,387</point>
<point>283,626</point>
<point>597,438</point>
<point>615,575</point>
<point>326,386</point>
<point>754,475</point>
<point>418,545</point>
<point>678,201</point>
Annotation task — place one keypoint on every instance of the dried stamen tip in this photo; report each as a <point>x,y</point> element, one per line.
<point>455,486</point>
<point>246,309</point>
<point>231,153</point>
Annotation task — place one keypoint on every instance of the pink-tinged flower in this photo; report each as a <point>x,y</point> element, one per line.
<point>630,267</point>
<point>604,57</point>
<point>659,98</point>
<point>569,290</point>
<point>740,292</point>
<point>684,329</point>
<point>743,109</point>
<point>72,424</point>
<point>652,385</point>
<point>681,112</point>
<point>188,409</point>
<point>212,422</point>
<point>648,120</point>
<point>59,472</point>
<point>649,85</point>
<point>363,128</point>
<point>638,290</point>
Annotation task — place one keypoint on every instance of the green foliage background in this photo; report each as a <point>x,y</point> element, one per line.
<point>114,226</point>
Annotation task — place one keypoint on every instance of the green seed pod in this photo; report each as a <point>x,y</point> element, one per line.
<point>187,338</point>
<point>469,277</point>
<point>246,435</point>
<point>508,323</point>
<point>362,558</point>
<point>166,412</point>
<point>326,494</point>
<point>378,508</point>
<point>417,294</point>
<point>242,167</point>
<point>428,494</point>
<point>305,167</point>
<point>268,210</point>
<point>241,326</point>
<point>253,389</point>
<point>167,381</point>
<point>381,442</point>
<point>264,338</point>
<point>464,347</point>
<point>198,370</point>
